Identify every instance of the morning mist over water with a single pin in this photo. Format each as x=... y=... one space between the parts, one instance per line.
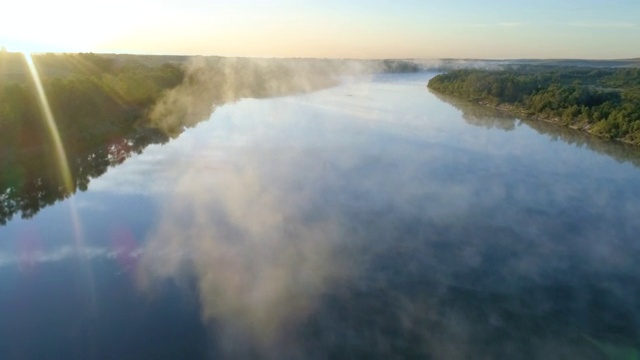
x=370 y=219
x=292 y=180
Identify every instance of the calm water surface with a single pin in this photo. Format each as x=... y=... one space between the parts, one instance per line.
x=370 y=220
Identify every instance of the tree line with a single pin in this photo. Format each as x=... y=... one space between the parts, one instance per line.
x=92 y=99
x=602 y=101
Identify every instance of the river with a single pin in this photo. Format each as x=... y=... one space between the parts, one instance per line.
x=369 y=220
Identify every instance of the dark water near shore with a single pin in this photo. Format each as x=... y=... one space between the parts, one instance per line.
x=370 y=220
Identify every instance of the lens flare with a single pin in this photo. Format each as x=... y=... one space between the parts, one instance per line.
x=65 y=173
x=61 y=156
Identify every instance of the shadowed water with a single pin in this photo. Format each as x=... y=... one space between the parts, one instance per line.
x=370 y=220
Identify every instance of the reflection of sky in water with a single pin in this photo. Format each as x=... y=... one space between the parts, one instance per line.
x=362 y=221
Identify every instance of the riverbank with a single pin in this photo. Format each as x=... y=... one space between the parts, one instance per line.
x=602 y=102
x=576 y=123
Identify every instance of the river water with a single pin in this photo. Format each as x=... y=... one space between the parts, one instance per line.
x=370 y=220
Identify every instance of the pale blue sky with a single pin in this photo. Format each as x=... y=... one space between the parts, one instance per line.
x=331 y=28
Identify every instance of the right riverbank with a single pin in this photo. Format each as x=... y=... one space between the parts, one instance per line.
x=604 y=102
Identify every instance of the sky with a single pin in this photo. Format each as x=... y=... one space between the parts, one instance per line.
x=491 y=29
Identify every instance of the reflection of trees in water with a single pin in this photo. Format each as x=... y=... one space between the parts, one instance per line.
x=31 y=180
x=477 y=115
x=480 y=115
x=620 y=152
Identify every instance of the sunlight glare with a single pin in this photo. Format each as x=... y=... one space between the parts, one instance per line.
x=36 y=26
x=65 y=172
x=50 y=122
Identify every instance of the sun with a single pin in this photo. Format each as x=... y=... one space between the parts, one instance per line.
x=65 y=25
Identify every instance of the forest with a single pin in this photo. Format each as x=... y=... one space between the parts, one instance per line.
x=602 y=101
x=93 y=99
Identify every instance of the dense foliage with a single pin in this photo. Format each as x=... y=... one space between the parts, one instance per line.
x=603 y=101
x=92 y=100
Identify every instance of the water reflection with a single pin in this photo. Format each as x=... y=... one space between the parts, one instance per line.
x=30 y=179
x=393 y=245
x=477 y=115
x=330 y=225
x=261 y=256
x=489 y=117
